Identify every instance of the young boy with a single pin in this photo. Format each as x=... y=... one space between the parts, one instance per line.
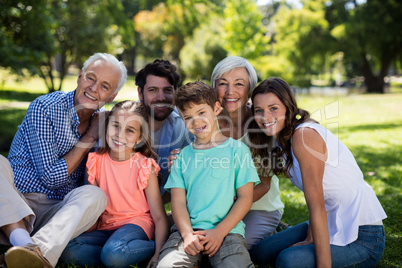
x=211 y=184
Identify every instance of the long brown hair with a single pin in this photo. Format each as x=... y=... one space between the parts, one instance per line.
x=132 y=107
x=265 y=146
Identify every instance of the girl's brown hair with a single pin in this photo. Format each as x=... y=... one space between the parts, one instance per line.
x=264 y=146
x=132 y=107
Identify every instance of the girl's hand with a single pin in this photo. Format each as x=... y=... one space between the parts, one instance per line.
x=172 y=157
x=211 y=240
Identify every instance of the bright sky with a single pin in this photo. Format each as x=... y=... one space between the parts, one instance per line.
x=264 y=2
x=297 y=3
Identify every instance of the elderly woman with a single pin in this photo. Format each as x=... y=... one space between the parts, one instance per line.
x=234 y=79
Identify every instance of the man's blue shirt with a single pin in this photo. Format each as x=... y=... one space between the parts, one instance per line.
x=48 y=132
x=173 y=135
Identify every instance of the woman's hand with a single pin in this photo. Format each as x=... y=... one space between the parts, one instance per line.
x=302 y=243
x=308 y=241
x=173 y=157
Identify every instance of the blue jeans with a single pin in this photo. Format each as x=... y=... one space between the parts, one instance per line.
x=366 y=251
x=123 y=247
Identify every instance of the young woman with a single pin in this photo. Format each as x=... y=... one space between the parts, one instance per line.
x=125 y=169
x=345 y=217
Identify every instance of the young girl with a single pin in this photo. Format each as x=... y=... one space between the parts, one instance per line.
x=345 y=217
x=125 y=169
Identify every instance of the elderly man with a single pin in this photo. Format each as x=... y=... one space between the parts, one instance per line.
x=42 y=184
x=157 y=82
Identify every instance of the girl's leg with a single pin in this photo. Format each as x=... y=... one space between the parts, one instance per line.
x=127 y=246
x=268 y=249
x=366 y=251
x=85 y=249
x=260 y=224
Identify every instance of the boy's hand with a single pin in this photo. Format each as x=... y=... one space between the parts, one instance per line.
x=192 y=244
x=211 y=240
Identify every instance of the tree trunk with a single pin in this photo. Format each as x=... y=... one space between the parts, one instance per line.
x=131 y=59
x=374 y=83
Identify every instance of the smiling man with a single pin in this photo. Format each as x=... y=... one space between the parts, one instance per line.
x=157 y=82
x=43 y=193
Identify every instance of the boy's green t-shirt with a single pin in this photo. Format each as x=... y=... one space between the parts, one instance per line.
x=210 y=178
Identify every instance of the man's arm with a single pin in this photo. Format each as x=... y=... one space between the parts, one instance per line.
x=52 y=168
x=74 y=157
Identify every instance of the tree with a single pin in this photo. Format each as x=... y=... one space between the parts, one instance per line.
x=244 y=31
x=131 y=41
x=80 y=28
x=302 y=36
x=24 y=37
x=200 y=55
x=164 y=29
x=369 y=33
x=34 y=34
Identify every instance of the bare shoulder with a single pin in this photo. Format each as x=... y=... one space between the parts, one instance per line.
x=306 y=134
x=307 y=139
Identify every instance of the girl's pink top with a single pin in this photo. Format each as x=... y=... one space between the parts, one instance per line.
x=124 y=184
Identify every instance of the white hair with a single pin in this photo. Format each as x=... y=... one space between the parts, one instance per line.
x=112 y=60
x=229 y=64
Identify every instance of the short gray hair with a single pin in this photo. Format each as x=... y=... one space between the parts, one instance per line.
x=230 y=63
x=110 y=59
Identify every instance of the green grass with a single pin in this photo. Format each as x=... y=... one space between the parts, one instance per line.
x=369 y=125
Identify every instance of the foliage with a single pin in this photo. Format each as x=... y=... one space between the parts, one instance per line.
x=301 y=36
x=131 y=41
x=203 y=50
x=75 y=22
x=164 y=28
x=370 y=35
x=49 y=36
x=273 y=66
x=24 y=34
x=244 y=32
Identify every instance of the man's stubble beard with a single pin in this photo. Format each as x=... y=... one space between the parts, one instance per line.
x=156 y=117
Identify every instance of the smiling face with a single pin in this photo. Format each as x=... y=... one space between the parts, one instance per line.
x=269 y=113
x=200 y=120
x=232 y=89
x=96 y=86
x=157 y=97
x=122 y=134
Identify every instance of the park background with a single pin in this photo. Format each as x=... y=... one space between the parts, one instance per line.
x=342 y=57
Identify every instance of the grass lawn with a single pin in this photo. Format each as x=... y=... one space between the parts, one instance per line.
x=369 y=125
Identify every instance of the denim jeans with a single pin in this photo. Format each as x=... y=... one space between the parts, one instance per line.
x=123 y=247
x=366 y=251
